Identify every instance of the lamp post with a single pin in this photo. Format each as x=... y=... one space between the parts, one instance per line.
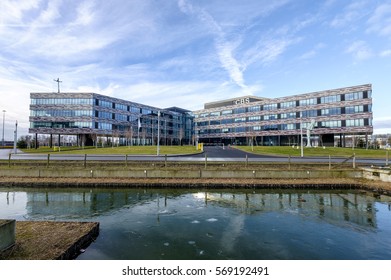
x=3 y=127
x=301 y=137
x=16 y=136
x=158 y=133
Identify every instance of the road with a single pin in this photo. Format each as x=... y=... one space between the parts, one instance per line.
x=213 y=153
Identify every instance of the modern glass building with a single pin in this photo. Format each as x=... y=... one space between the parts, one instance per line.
x=90 y=115
x=336 y=117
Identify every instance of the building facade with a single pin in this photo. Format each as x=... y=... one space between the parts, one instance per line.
x=327 y=118
x=90 y=115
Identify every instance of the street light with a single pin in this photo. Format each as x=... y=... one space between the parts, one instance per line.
x=3 y=126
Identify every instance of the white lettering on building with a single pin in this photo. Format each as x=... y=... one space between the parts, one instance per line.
x=242 y=101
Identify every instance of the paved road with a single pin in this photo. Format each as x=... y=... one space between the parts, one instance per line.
x=213 y=153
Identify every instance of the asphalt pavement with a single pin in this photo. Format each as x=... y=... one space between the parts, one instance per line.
x=212 y=153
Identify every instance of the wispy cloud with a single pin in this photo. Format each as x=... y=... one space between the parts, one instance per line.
x=360 y=50
x=224 y=48
x=380 y=21
x=352 y=13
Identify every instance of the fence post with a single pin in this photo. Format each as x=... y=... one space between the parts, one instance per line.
x=289 y=161
x=206 y=160
x=47 y=165
x=85 y=160
x=354 y=160
x=329 y=162
x=126 y=160
x=246 y=160
x=387 y=157
x=9 y=160
x=165 y=160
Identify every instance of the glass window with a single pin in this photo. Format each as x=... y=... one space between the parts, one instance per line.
x=354 y=109
x=268 y=107
x=240 y=119
x=226 y=112
x=331 y=111
x=331 y=124
x=354 y=95
x=356 y=122
x=330 y=99
x=306 y=102
x=309 y=113
x=288 y=104
x=254 y=108
x=239 y=110
x=270 y=117
x=254 y=118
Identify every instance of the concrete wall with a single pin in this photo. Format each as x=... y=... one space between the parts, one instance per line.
x=7 y=234
x=179 y=173
x=377 y=174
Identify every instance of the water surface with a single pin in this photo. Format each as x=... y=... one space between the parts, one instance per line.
x=216 y=224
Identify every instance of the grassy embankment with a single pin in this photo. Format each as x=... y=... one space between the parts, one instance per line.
x=121 y=150
x=315 y=152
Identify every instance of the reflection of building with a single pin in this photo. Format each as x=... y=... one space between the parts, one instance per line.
x=90 y=115
x=332 y=207
x=338 y=114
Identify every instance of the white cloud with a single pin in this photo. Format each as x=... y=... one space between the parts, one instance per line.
x=385 y=53
x=360 y=50
x=380 y=21
x=354 y=12
x=224 y=48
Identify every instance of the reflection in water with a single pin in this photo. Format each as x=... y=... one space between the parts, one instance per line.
x=218 y=224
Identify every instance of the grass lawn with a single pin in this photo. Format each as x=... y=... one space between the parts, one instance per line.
x=332 y=151
x=122 y=150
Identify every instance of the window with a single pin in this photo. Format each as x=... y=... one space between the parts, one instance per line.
x=270 y=117
x=254 y=118
x=240 y=119
x=239 y=110
x=268 y=107
x=226 y=112
x=306 y=102
x=291 y=115
x=330 y=99
x=104 y=103
x=121 y=107
x=357 y=122
x=331 y=124
x=288 y=104
x=354 y=95
x=309 y=113
x=354 y=109
x=331 y=111
x=215 y=114
x=254 y=108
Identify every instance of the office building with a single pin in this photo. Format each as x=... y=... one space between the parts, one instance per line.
x=90 y=116
x=337 y=117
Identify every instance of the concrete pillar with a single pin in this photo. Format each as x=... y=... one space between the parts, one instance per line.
x=51 y=141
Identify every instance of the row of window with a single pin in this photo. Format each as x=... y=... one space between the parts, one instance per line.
x=291 y=115
x=61 y=125
x=61 y=101
x=123 y=107
x=61 y=113
x=291 y=126
x=290 y=104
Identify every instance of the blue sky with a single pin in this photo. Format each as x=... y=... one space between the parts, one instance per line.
x=186 y=52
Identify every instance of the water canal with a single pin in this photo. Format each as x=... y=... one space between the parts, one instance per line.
x=216 y=224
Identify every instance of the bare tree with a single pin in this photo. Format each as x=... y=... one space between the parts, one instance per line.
x=181 y=134
x=129 y=135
